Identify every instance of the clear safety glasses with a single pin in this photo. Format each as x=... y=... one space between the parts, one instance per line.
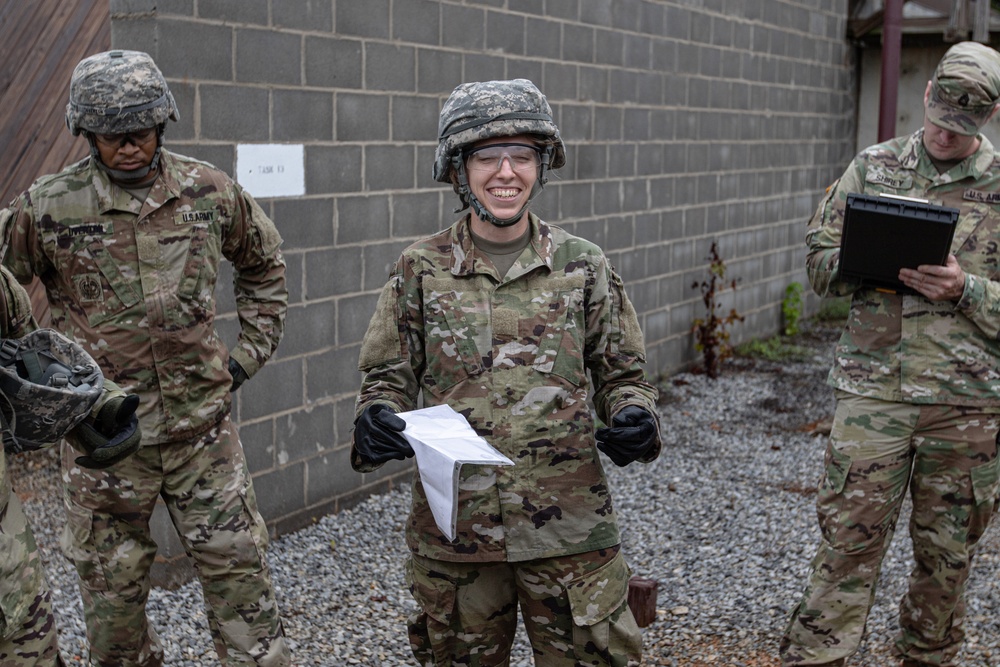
x=520 y=157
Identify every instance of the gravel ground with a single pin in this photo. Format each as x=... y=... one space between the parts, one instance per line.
x=723 y=520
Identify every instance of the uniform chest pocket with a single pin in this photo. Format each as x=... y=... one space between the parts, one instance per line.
x=451 y=327
x=197 y=280
x=559 y=335
x=98 y=283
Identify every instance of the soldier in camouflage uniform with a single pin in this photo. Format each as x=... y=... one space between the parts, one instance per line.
x=918 y=385
x=128 y=244
x=28 y=636
x=502 y=316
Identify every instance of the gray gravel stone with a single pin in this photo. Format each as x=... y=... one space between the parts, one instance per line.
x=723 y=520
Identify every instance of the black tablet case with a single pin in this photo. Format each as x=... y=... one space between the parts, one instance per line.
x=881 y=235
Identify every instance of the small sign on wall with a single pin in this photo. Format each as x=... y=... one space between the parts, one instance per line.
x=271 y=170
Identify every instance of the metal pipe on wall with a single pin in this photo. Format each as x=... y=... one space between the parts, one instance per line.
x=892 y=31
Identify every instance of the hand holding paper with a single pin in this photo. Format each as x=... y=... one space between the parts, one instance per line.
x=444 y=441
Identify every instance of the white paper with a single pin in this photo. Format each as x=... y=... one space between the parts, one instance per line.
x=271 y=170
x=443 y=442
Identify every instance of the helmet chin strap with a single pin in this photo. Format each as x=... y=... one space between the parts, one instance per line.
x=127 y=175
x=470 y=200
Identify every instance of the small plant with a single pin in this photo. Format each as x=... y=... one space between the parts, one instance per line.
x=775 y=349
x=834 y=309
x=712 y=331
x=791 y=308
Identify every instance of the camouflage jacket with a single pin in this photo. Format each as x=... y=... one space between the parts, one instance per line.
x=134 y=282
x=905 y=347
x=512 y=356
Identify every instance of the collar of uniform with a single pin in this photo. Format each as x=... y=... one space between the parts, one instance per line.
x=914 y=156
x=462 y=261
x=113 y=198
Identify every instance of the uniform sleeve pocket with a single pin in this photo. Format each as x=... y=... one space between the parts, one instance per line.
x=986 y=481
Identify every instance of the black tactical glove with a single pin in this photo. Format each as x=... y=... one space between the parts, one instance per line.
x=378 y=435
x=631 y=435
x=239 y=375
x=111 y=436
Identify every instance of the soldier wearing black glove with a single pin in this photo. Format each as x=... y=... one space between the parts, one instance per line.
x=239 y=375
x=378 y=435
x=109 y=437
x=631 y=435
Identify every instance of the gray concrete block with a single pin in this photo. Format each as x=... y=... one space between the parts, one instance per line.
x=379 y=260
x=419 y=214
x=221 y=157
x=607 y=198
x=610 y=48
x=333 y=62
x=576 y=200
x=257 y=438
x=652 y=17
x=559 y=81
x=649 y=159
x=578 y=43
x=283 y=373
x=293 y=274
x=198 y=51
x=333 y=169
x=390 y=67
x=334 y=372
x=302 y=115
x=484 y=67
x=563 y=9
x=235 y=11
x=305 y=223
x=624 y=86
x=505 y=33
x=621 y=160
x=331 y=272
x=361 y=219
x=417 y=21
x=597 y=12
x=607 y=123
x=389 y=167
x=355 y=313
x=638 y=52
x=330 y=475
x=649 y=88
x=234 y=113
x=362 y=117
x=365 y=19
x=184 y=93
x=438 y=71
x=304 y=434
x=627 y=14
x=524 y=68
x=463 y=27
x=267 y=56
x=594 y=84
x=309 y=15
x=343 y=408
x=590 y=161
x=414 y=118
x=281 y=491
x=543 y=38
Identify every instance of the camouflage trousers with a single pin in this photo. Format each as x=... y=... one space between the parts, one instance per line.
x=575 y=611
x=28 y=636
x=947 y=457
x=208 y=493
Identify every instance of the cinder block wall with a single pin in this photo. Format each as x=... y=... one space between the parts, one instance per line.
x=687 y=122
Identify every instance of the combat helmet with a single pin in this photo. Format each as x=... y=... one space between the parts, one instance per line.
x=486 y=110
x=118 y=92
x=48 y=385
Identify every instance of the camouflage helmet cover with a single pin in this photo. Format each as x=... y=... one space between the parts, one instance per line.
x=49 y=384
x=965 y=88
x=489 y=109
x=117 y=92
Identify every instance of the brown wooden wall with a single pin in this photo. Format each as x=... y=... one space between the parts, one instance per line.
x=40 y=43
